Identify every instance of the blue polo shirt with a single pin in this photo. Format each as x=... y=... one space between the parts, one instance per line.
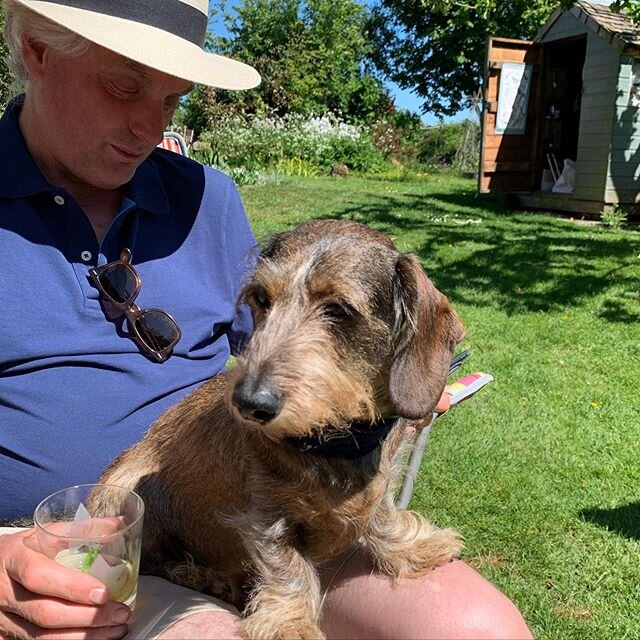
x=74 y=387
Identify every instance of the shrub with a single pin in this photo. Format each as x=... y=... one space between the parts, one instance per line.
x=240 y=175
x=359 y=154
x=455 y=144
x=263 y=142
x=397 y=135
x=613 y=218
x=297 y=167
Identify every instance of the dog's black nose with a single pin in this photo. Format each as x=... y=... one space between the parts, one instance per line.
x=256 y=401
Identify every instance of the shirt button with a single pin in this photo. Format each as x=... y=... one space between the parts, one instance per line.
x=59 y=200
x=86 y=256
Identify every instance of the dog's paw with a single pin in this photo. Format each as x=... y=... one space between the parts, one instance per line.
x=435 y=549
x=261 y=626
x=410 y=546
x=203 y=579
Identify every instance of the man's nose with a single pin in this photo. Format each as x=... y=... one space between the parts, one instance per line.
x=148 y=122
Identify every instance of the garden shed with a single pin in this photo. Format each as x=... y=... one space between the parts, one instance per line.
x=561 y=113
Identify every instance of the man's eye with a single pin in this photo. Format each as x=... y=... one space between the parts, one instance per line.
x=121 y=90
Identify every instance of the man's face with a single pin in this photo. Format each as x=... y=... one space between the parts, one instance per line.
x=100 y=115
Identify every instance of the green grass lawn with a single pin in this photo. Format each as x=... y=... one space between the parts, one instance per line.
x=540 y=470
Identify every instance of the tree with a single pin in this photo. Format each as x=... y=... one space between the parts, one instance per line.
x=311 y=55
x=437 y=47
x=630 y=7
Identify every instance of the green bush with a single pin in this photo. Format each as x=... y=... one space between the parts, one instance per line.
x=297 y=167
x=359 y=154
x=454 y=144
x=260 y=143
x=613 y=218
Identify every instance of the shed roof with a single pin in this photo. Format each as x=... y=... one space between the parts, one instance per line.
x=615 y=28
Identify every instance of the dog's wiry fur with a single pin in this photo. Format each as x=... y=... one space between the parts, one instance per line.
x=346 y=328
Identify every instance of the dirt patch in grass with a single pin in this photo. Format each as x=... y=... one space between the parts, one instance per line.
x=485 y=560
x=577 y=614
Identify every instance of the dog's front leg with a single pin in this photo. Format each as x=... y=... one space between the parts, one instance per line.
x=285 y=601
x=405 y=544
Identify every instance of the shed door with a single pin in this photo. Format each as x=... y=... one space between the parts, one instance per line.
x=509 y=156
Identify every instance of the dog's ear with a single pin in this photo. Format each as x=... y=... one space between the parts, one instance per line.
x=427 y=331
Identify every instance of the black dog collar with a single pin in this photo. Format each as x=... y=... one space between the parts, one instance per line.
x=359 y=439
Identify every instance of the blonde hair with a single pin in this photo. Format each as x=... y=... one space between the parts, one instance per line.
x=21 y=22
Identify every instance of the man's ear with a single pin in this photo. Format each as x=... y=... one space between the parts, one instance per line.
x=34 y=56
x=427 y=332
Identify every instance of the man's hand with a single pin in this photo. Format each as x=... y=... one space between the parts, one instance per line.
x=41 y=599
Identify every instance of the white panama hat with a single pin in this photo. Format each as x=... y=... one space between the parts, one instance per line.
x=167 y=35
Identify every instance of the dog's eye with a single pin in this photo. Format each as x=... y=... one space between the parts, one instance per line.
x=260 y=300
x=338 y=311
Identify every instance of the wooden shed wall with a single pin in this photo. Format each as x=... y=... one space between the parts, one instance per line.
x=597 y=112
x=623 y=179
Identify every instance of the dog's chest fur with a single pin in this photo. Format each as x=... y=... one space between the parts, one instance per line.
x=322 y=505
x=328 y=506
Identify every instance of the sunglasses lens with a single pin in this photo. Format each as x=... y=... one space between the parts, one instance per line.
x=119 y=283
x=157 y=330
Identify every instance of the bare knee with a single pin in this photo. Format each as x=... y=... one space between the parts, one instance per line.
x=207 y=624
x=470 y=607
x=452 y=601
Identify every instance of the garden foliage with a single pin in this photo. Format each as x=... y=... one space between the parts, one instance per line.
x=455 y=144
x=437 y=47
x=259 y=143
x=6 y=78
x=312 y=57
x=308 y=146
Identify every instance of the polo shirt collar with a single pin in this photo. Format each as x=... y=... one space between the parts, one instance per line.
x=20 y=176
x=146 y=188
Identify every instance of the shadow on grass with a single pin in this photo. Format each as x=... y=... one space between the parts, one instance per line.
x=514 y=261
x=623 y=520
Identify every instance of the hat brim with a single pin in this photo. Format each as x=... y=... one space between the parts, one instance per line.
x=151 y=46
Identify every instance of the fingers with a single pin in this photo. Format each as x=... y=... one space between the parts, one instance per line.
x=54 y=613
x=12 y=626
x=444 y=403
x=40 y=575
x=41 y=599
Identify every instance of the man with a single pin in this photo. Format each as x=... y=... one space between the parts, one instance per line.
x=81 y=182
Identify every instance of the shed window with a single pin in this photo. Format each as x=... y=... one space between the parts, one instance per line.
x=513 y=97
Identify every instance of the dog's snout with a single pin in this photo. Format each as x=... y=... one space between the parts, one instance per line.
x=256 y=400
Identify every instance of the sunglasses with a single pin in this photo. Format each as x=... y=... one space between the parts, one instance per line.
x=154 y=330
